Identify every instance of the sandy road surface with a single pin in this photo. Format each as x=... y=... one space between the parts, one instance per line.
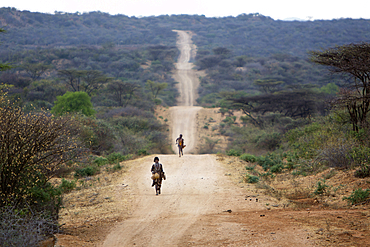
x=192 y=184
x=193 y=188
x=188 y=82
x=192 y=209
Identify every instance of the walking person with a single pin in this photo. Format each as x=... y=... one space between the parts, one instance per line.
x=180 y=144
x=157 y=175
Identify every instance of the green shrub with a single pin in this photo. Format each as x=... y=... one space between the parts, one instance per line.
x=233 y=152
x=290 y=165
x=46 y=195
x=142 y=152
x=269 y=161
x=116 y=157
x=360 y=154
x=73 y=102
x=117 y=167
x=85 y=172
x=266 y=175
x=358 y=196
x=277 y=168
x=67 y=186
x=251 y=179
x=100 y=161
x=321 y=188
x=229 y=120
x=248 y=158
x=250 y=168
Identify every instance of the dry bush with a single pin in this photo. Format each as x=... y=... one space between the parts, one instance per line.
x=23 y=228
x=338 y=156
x=32 y=147
x=298 y=193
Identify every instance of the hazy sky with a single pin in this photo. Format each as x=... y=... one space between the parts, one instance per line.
x=277 y=9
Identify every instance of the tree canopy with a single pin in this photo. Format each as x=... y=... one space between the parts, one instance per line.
x=353 y=61
x=73 y=102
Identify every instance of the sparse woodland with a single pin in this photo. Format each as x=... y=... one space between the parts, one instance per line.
x=78 y=92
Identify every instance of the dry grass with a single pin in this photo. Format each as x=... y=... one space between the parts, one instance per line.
x=299 y=191
x=91 y=210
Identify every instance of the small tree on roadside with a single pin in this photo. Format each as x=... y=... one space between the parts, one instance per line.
x=32 y=147
x=73 y=102
x=351 y=60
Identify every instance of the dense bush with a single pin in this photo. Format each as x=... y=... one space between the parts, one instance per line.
x=86 y=171
x=248 y=157
x=73 y=102
x=321 y=188
x=271 y=161
x=100 y=161
x=67 y=186
x=114 y=158
x=357 y=196
x=233 y=152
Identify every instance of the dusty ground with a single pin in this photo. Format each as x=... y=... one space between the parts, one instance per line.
x=193 y=209
x=205 y=201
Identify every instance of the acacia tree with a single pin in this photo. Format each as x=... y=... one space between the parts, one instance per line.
x=294 y=104
x=155 y=87
x=351 y=60
x=35 y=71
x=83 y=80
x=123 y=91
x=268 y=85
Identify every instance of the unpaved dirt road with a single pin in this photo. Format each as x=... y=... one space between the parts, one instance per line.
x=193 y=207
x=183 y=116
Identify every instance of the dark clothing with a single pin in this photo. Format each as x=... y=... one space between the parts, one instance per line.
x=157 y=168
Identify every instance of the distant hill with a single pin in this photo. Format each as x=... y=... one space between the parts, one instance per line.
x=246 y=34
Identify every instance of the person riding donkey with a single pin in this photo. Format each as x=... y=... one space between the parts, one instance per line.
x=157 y=175
x=180 y=144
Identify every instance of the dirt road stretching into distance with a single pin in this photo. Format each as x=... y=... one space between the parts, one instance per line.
x=197 y=198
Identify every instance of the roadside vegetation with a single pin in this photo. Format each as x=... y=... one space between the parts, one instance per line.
x=332 y=137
